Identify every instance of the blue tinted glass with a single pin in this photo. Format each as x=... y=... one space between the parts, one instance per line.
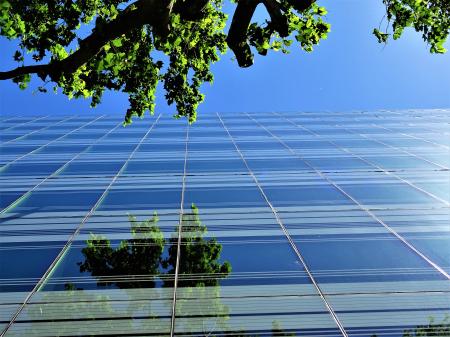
x=373 y=231
x=278 y=164
x=210 y=197
x=66 y=149
x=353 y=258
x=93 y=168
x=398 y=162
x=65 y=200
x=229 y=165
x=212 y=146
x=439 y=189
x=336 y=163
x=36 y=258
x=7 y=198
x=388 y=193
x=31 y=168
x=305 y=195
x=16 y=150
x=144 y=199
x=435 y=245
x=151 y=167
x=260 y=146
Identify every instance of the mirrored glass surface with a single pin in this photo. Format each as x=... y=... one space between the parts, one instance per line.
x=251 y=224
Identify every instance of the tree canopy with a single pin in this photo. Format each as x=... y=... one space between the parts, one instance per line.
x=87 y=47
x=141 y=258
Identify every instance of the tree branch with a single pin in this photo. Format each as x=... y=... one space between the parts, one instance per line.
x=278 y=20
x=301 y=5
x=191 y=10
x=157 y=14
x=237 y=35
x=152 y=12
x=20 y=71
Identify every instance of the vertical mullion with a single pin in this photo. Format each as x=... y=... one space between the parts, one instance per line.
x=66 y=247
x=408 y=135
x=288 y=236
x=9 y=118
x=415 y=137
x=389 y=173
x=414 y=124
x=394 y=147
x=55 y=173
x=38 y=130
x=22 y=124
x=180 y=228
x=51 y=142
x=362 y=207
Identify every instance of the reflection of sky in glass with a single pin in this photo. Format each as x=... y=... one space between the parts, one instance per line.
x=308 y=224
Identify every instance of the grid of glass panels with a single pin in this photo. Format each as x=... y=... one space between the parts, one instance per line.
x=242 y=224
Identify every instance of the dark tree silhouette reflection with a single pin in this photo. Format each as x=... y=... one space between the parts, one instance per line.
x=139 y=260
x=134 y=258
x=141 y=270
x=199 y=257
x=432 y=329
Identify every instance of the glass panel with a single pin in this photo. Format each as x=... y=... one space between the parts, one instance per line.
x=114 y=284
x=38 y=257
x=393 y=309
x=427 y=230
x=214 y=197
x=306 y=195
x=99 y=168
x=400 y=162
x=32 y=168
x=439 y=189
x=239 y=274
x=389 y=193
x=153 y=167
x=336 y=163
x=138 y=198
x=63 y=200
x=373 y=281
x=362 y=258
x=239 y=285
x=278 y=164
x=215 y=165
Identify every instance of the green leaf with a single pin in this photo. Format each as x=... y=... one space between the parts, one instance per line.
x=117 y=43
x=382 y=37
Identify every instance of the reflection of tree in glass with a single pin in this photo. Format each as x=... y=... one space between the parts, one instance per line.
x=133 y=266
x=135 y=257
x=432 y=329
x=53 y=315
x=279 y=332
x=199 y=258
x=141 y=257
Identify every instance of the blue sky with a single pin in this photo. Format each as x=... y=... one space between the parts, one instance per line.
x=348 y=71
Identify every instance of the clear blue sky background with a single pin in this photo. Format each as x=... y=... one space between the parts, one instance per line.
x=348 y=71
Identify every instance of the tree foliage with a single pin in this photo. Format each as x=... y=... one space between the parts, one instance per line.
x=199 y=257
x=142 y=260
x=87 y=47
x=431 y=18
x=432 y=329
x=135 y=257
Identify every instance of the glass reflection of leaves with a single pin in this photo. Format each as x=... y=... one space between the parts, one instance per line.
x=141 y=260
x=137 y=258
x=134 y=266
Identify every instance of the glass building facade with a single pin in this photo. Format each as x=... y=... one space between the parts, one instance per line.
x=260 y=224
